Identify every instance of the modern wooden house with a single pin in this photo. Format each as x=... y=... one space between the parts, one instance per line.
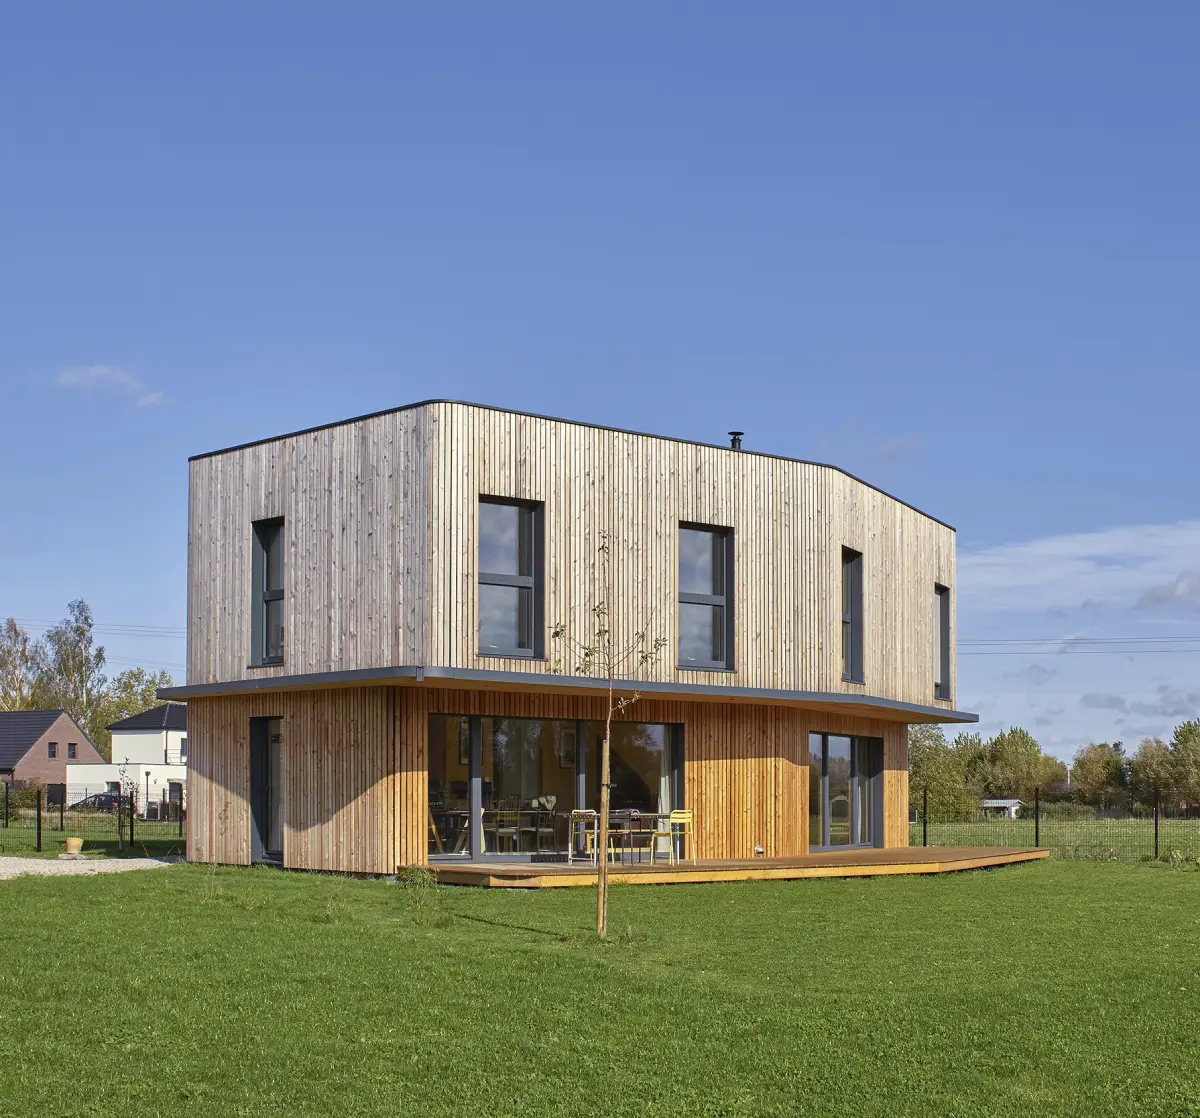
x=370 y=666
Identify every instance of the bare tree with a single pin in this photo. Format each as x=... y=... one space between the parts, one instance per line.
x=603 y=656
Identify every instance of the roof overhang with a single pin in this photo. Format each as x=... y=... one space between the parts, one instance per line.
x=862 y=705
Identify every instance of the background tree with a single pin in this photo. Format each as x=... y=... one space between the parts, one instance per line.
x=942 y=769
x=604 y=656
x=1016 y=765
x=1185 y=760
x=1149 y=769
x=70 y=671
x=129 y=692
x=1099 y=773
x=18 y=667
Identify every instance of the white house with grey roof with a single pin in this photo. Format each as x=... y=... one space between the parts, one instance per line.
x=149 y=756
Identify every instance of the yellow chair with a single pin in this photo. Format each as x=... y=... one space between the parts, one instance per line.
x=683 y=821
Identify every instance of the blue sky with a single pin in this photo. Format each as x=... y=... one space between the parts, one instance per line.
x=951 y=249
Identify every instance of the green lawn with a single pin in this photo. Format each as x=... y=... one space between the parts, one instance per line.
x=99 y=834
x=1055 y=988
x=1101 y=839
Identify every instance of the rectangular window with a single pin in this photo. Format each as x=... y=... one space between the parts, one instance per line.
x=852 y=616
x=183 y=751
x=70 y=751
x=510 y=578
x=941 y=642
x=267 y=593
x=705 y=597
x=51 y=749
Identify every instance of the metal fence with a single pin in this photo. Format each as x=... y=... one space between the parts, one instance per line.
x=41 y=820
x=1123 y=829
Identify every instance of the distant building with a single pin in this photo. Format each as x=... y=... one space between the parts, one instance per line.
x=1005 y=809
x=149 y=755
x=36 y=746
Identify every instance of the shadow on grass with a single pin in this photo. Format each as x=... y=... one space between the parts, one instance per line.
x=561 y=936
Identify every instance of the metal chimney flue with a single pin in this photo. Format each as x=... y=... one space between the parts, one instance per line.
x=735 y=439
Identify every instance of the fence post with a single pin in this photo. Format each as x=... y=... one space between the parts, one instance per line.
x=6 y=805
x=132 y=813
x=925 y=816
x=1156 y=823
x=179 y=812
x=62 y=807
x=1037 y=817
x=39 y=821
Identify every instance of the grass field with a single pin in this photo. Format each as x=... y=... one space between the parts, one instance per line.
x=99 y=833
x=1102 y=839
x=1050 y=989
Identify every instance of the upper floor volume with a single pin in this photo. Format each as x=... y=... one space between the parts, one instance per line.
x=446 y=541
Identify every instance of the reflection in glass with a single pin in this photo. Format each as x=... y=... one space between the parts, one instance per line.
x=449 y=762
x=816 y=791
x=505 y=618
x=701 y=562
x=639 y=763
x=701 y=633
x=499 y=539
x=837 y=768
x=273 y=648
x=274 y=786
x=528 y=784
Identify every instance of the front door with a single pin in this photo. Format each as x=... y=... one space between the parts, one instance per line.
x=266 y=790
x=845 y=791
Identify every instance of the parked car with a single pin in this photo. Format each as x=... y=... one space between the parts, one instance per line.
x=98 y=801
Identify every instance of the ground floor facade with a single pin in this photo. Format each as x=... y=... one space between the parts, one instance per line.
x=371 y=779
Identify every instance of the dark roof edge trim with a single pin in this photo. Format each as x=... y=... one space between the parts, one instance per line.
x=574 y=423
x=469 y=675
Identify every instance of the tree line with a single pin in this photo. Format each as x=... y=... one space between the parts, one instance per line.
x=64 y=669
x=1010 y=765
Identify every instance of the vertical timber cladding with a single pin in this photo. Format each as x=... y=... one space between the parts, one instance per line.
x=790 y=521
x=341 y=787
x=745 y=766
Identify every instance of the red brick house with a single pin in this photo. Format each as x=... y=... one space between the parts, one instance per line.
x=37 y=745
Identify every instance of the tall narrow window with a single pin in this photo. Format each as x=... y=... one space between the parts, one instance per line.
x=510 y=566
x=941 y=642
x=51 y=749
x=267 y=592
x=852 y=616
x=71 y=751
x=705 y=606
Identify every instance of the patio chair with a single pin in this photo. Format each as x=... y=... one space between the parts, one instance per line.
x=505 y=823
x=582 y=825
x=683 y=820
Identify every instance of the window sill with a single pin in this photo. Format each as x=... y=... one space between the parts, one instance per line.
x=515 y=655
x=267 y=664
x=706 y=668
x=856 y=682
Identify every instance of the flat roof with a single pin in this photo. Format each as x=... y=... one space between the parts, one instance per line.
x=574 y=423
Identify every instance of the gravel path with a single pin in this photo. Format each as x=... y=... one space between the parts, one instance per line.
x=88 y=867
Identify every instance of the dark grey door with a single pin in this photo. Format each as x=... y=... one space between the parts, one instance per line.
x=266 y=788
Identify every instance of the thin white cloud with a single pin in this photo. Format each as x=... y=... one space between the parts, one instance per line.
x=899 y=446
x=1117 y=568
x=109 y=378
x=1182 y=589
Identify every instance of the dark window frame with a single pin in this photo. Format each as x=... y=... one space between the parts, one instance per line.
x=941 y=686
x=531 y=536
x=52 y=751
x=725 y=600
x=852 y=616
x=71 y=751
x=259 y=595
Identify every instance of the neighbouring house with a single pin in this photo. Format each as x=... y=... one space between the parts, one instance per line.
x=373 y=678
x=149 y=758
x=38 y=746
x=1005 y=809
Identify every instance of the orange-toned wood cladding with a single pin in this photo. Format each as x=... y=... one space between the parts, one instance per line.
x=355 y=776
x=341 y=791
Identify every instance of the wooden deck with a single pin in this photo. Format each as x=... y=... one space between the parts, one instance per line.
x=851 y=863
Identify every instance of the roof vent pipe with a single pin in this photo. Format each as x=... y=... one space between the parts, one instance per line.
x=735 y=439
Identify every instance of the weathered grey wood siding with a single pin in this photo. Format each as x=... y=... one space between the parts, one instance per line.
x=381 y=549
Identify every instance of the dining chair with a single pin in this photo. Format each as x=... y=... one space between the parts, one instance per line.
x=582 y=825
x=677 y=819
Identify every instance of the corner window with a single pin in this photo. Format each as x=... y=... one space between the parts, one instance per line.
x=70 y=751
x=51 y=749
x=852 y=616
x=182 y=750
x=510 y=578
x=705 y=599
x=267 y=593
x=941 y=642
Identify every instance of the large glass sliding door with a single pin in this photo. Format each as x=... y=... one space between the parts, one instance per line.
x=506 y=787
x=845 y=791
